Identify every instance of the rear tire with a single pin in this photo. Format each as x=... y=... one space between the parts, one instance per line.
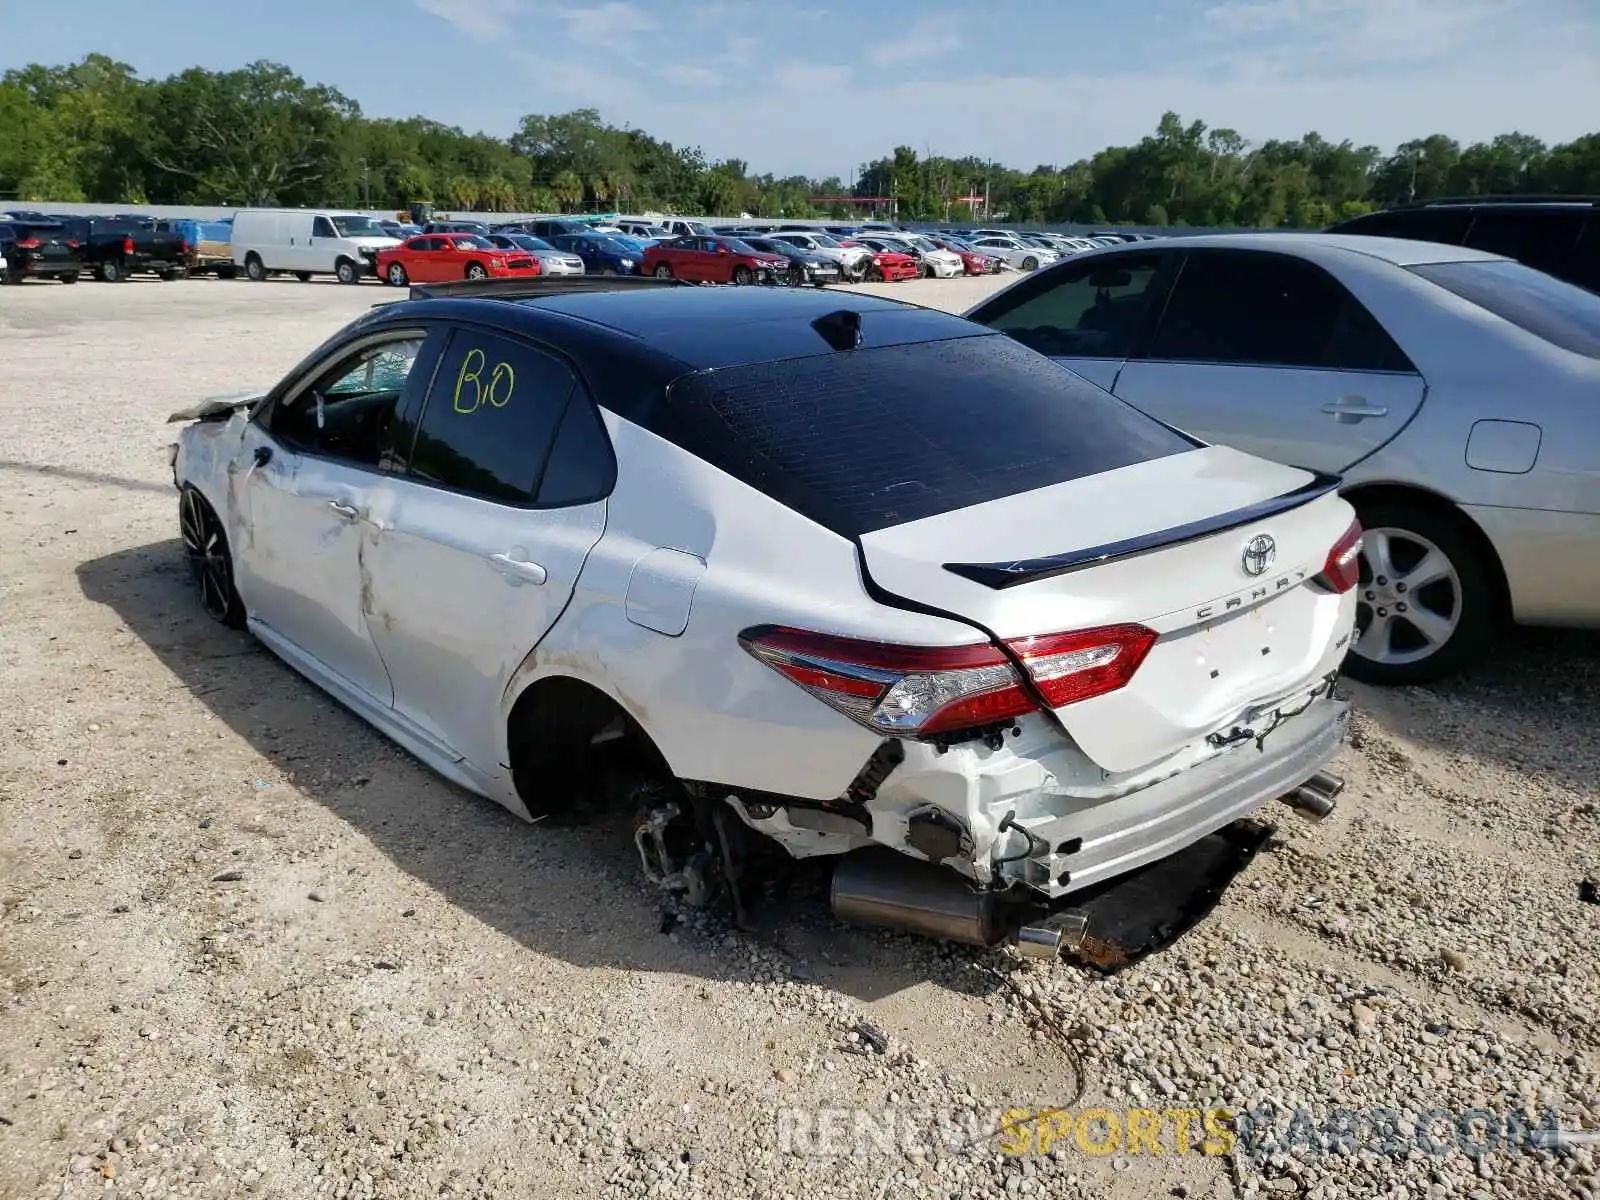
x=663 y=271
x=476 y=271
x=255 y=270
x=1437 y=598
x=1030 y=263
x=874 y=274
x=396 y=275
x=110 y=271
x=303 y=276
x=741 y=275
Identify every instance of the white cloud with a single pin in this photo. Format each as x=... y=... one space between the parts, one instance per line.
x=606 y=25
x=482 y=20
x=932 y=38
x=1373 y=71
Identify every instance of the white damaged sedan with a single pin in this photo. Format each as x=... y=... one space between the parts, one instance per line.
x=809 y=580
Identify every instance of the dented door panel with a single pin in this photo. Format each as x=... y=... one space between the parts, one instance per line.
x=301 y=562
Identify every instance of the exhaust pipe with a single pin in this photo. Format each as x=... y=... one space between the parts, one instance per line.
x=891 y=891
x=1315 y=799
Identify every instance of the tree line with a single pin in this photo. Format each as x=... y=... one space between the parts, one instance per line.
x=262 y=135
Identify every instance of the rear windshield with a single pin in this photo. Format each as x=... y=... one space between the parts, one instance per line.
x=864 y=439
x=1561 y=313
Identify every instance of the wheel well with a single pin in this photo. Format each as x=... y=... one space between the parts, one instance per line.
x=571 y=745
x=1401 y=495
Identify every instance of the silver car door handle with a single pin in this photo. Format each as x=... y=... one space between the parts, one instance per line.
x=348 y=511
x=1354 y=408
x=517 y=568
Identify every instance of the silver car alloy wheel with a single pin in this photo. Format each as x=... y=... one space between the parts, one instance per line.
x=1408 y=603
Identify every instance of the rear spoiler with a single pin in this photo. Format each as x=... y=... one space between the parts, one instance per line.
x=1011 y=574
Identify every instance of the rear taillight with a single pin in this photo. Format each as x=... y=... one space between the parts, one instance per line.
x=28 y=243
x=73 y=243
x=1342 y=571
x=184 y=247
x=926 y=691
x=127 y=245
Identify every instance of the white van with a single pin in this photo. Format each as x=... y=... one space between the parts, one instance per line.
x=272 y=241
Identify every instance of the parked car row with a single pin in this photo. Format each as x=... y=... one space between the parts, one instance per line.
x=36 y=245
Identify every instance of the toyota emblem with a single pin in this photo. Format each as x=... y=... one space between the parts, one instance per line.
x=1260 y=552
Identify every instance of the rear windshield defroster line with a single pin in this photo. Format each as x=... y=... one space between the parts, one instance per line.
x=866 y=439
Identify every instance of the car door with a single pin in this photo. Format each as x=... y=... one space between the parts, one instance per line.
x=1088 y=315
x=431 y=258
x=480 y=531
x=304 y=482
x=1271 y=354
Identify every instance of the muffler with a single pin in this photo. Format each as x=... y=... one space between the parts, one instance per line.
x=1315 y=799
x=891 y=891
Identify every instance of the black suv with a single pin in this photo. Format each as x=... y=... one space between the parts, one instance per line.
x=38 y=247
x=1559 y=235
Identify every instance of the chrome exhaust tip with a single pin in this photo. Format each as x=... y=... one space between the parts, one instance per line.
x=1039 y=942
x=1310 y=803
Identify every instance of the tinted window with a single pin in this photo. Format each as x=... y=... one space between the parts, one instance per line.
x=349 y=411
x=322 y=227
x=1561 y=313
x=1267 y=310
x=1088 y=310
x=582 y=467
x=1542 y=238
x=1448 y=225
x=878 y=437
x=490 y=417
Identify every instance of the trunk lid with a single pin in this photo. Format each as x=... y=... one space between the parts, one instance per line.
x=1161 y=543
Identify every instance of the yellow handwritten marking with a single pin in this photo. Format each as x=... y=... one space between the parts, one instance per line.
x=502 y=373
x=470 y=371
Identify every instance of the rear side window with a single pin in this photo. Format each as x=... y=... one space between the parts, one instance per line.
x=1542 y=238
x=490 y=417
x=1250 y=308
x=1448 y=225
x=865 y=439
x=1561 y=313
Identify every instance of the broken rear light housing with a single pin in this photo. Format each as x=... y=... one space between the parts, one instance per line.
x=930 y=691
x=1342 y=570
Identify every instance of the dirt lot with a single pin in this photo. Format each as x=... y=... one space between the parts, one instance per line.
x=247 y=947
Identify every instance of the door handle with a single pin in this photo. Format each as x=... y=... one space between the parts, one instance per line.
x=518 y=569
x=1350 y=409
x=348 y=511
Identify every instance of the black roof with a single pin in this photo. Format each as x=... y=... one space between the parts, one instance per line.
x=631 y=342
x=1532 y=199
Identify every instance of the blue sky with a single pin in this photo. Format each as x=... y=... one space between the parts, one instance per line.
x=818 y=87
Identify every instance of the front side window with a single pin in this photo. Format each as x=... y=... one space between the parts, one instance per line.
x=349 y=411
x=1257 y=309
x=490 y=417
x=1090 y=310
x=1561 y=313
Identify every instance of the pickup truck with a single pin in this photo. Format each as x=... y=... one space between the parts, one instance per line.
x=208 y=243
x=113 y=248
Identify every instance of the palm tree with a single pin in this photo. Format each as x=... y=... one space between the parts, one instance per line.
x=568 y=189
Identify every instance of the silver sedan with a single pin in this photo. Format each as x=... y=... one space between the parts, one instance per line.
x=1456 y=392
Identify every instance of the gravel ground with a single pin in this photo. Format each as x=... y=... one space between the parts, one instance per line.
x=251 y=949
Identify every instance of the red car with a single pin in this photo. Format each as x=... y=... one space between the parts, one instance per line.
x=713 y=260
x=971 y=261
x=442 y=257
x=890 y=265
